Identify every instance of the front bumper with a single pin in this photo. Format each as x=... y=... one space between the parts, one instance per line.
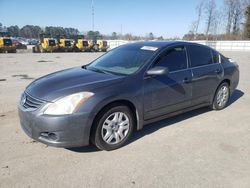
x=60 y=131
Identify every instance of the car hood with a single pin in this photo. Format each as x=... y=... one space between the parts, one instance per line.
x=69 y=81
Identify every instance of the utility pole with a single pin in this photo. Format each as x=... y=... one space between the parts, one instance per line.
x=121 y=29
x=93 y=15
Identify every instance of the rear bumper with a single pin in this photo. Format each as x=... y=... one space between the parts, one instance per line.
x=58 y=131
x=234 y=80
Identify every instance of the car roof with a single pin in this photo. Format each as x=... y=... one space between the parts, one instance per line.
x=161 y=44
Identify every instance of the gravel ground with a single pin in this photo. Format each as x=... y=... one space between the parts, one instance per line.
x=202 y=148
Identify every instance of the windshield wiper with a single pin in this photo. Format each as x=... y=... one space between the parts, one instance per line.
x=101 y=71
x=98 y=70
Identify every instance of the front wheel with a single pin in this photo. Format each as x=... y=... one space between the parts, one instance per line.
x=221 y=97
x=113 y=128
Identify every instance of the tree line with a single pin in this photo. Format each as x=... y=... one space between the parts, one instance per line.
x=32 y=31
x=229 y=22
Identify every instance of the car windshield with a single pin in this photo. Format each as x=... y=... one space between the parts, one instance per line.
x=123 y=60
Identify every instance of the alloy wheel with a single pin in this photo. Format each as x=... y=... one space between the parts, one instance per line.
x=115 y=128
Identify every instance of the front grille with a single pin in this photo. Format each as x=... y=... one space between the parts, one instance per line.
x=31 y=102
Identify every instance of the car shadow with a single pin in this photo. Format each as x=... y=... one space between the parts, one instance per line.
x=235 y=96
x=151 y=128
x=84 y=149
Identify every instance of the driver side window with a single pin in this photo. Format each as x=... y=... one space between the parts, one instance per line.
x=174 y=59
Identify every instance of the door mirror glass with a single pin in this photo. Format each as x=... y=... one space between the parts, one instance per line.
x=158 y=70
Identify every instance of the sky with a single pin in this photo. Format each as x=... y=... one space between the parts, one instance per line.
x=167 y=18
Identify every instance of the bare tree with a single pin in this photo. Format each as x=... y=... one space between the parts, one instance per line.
x=210 y=10
x=246 y=3
x=238 y=15
x=199 y=10
x=235 y=12
x=229 y=6
x=216 y=24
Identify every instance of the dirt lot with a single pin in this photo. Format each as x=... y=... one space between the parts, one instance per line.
x=202 y=148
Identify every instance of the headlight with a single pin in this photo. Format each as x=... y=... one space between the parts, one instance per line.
x=69 y=104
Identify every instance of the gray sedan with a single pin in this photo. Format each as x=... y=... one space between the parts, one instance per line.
x=123 y=90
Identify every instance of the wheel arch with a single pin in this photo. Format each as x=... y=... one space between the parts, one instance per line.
x=225 y=80
x=125 y=102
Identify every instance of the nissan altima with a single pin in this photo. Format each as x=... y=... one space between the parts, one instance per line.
x=123 y=90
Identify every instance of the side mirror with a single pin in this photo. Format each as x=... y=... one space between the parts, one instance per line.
x=155 y=71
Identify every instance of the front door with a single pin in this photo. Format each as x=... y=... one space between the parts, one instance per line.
x=168 y=93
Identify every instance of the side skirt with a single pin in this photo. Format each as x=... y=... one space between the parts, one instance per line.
x=175 y=113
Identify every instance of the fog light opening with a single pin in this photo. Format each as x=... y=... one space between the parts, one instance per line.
x=52 y=136
x=49 y=136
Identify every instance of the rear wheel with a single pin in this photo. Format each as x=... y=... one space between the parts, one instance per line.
x=34 y=49
x=221 y=97
x=113 y=128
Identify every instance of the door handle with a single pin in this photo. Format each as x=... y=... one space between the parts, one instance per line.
x=187 y=80
x=218 y=71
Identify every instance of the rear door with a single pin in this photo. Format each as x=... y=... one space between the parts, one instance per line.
x=207 y=72
x=168 y=93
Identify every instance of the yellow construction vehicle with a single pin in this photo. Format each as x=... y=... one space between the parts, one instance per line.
x=97 y=44
x=6 y=44
x=102 y=45
x=46 y=44
x=81 y=45
x=65 y=44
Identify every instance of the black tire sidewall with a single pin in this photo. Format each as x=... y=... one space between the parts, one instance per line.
x=98 y=141
x=215 y=105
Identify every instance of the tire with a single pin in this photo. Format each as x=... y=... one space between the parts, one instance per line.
x=12 y=51
x=109 y=134
x=221 y=97
x=34 y=49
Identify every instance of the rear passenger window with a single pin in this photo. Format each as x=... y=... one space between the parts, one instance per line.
x=216 y=57
x=200 y=56
x=174 y=59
